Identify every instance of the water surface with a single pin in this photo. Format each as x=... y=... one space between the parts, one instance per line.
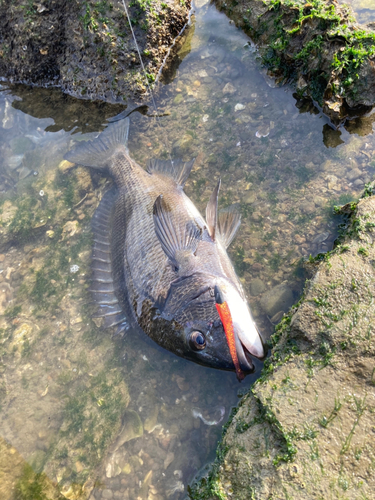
x=120 y=417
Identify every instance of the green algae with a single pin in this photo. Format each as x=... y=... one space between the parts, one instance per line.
x=260 y=413
x=317 y=45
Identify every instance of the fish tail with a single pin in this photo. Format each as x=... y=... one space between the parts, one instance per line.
x=97 y=152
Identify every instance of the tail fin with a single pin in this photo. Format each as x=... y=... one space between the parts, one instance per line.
x=97 y=152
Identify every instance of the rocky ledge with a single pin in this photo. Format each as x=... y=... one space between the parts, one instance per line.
x=86 y=46
x=306 y=428
x=318 y=45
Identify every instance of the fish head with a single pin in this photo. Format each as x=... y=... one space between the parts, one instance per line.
x=203 y=336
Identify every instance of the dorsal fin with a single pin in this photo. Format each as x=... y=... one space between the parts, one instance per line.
x=229 y=220
x=174 y=236
x=177 y=169
x=211 y=210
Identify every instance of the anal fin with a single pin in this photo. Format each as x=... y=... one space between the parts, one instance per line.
x=102 y=286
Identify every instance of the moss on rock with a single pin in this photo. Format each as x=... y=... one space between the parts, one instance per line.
x=306 y=428
x=318 y=45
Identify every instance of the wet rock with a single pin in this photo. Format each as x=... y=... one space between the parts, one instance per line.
x=182 y=383
x=358 y=183
x=229 y=89
x=319 y=201
x=332 y=183
x=257 y=287
x=65 y=165
x=353 y=174
x=239 y=107
x=107 y=494
x=307 y=207
x=179 y=98
x=132 y=428
x=152 y=419
x=182 y=146
x=279 y=298
x=276 y=318
x=320 y=238
x=169 y=459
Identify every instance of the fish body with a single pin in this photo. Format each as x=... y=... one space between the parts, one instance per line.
x=157 y=261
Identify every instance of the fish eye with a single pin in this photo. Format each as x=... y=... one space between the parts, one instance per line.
x=197 y=341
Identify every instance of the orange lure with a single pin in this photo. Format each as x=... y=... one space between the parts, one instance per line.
x=226 y=319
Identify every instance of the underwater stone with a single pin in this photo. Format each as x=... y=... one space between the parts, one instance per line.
x=183 y=145
x=279 y=298
x=257 y=286
x=132 y=428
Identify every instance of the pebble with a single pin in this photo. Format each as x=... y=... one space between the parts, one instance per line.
x=249 y=197
x=276 y=318
x=353 y=174
x=320 y=238
x=257 y=287
x=307 y=207
x=279 y=298
x=107 y=494
x=229 y=89
x=239 y=107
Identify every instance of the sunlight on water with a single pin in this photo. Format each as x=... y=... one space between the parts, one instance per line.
x=82 y=412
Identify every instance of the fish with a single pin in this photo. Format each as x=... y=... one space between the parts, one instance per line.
x=159 y=266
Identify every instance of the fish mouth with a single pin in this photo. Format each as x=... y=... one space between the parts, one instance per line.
x=244 y=356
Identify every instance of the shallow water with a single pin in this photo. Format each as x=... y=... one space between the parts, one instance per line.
x=364 y=10
x=121 y=418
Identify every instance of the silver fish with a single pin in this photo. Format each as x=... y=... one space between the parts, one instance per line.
x=157 y=261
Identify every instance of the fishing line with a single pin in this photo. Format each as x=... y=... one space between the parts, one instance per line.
x=146 y=78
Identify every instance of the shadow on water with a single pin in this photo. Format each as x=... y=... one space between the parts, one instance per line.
x=122 y=418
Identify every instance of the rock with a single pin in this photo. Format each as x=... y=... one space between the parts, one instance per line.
x=249 y=197
x=169 y=459
x=107 y=494
x=358 y=183
x=276 y=318
x=320 y=238
x=257 y=286
x=229 y=89
x=182 y=146
x=319 y=201
x=332 y=183
x=65 y=165
x=132 y=428
x=239 y=107
x=279 y=298
x=307 y=207
x=315 y=394
x=353 y=174
x=182 y=383
x=152 y=419
x=179 y=98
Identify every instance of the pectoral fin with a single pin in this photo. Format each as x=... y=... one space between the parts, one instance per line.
x=172 y=234
x=229 y=221
x=211 y=211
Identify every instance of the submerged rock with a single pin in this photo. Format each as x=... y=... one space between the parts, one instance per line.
x=279 y=298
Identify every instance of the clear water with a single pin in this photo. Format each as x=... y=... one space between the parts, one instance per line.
x=364 y=10
x=74 y=400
